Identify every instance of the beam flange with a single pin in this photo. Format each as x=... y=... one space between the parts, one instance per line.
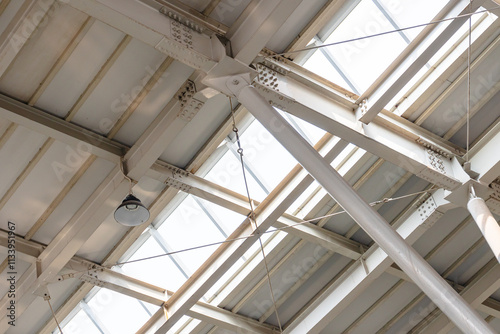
x=391 y=242
x=54 y=127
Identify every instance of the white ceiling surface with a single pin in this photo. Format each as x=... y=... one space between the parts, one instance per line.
x=86 y=72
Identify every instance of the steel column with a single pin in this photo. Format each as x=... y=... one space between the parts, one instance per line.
x=392 y=243
x=487 y=224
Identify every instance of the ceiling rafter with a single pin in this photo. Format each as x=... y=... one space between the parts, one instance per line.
x=485 y=282
x=376 y=105
x=461 y=79
x=98 y=77
x=80 y=34
x=431 y=81
x=18 y=32
x=401 y=282
x=103 y=201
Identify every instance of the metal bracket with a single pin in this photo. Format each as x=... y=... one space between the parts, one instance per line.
x=267 y=77
x=182 y=34
x=171 y=182
x=433 y=147
x=176 y=171
x=284 y=101
x=189 y=104
x=461 y=195
x=496 y=190
x=181 y=20
x=436 y=160
x=43 y=292
x=426 y=210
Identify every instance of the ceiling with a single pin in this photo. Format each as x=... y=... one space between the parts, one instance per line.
x=98 y=97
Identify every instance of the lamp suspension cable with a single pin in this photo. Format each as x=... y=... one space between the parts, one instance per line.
x=251 y=216
x=468 y=84
x=54 y=315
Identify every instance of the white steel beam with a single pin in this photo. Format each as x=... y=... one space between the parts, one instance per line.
x=99 y=206
x=257 y=25
x=379 y=99
x=148 y=25
x=226 y=255
x=30 y=15
x=54 y=127
x=413 y=143
x=486 y=282
x=406 y=257
x=389 y=137
x=96 y=275
x=109 y=279
x=231 y=200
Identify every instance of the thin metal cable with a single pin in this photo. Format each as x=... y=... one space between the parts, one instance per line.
x=251 y=216
x=384 y=33
x=468 y=83
x=385 y=200
x=54 y=316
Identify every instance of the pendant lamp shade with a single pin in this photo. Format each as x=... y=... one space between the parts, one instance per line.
x=131 y=212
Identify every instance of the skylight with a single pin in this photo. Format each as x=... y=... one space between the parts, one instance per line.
x=355 y=65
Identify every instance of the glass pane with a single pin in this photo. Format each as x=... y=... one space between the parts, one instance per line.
x=365 y=59
x=319 y=65
x=160 y=271
x=270 y=160
x=409 y=13
x=312 y=132
x=188 y=226
x=228 y=220
x=119 y=313
x=227 y=173
x=80 y=324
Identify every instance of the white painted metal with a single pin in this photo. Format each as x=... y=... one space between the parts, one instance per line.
x=249 y=36
x=100 y=205
x=487 y=224
x=486 y=282
x=379 y=103
x=227 y=254
x=406 y=257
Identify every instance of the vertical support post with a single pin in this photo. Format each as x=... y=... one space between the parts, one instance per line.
x=486 y=223
x=447 y=299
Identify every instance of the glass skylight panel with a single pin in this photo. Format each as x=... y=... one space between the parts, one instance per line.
x=187 y=227
x=365 y=59
x=312 y=132
x=79 y=324
x=159 y=271
x=118 y=312
x=270 y=160
x=409 y=13
x=319 y=65
x=228 y=173
x=227 y=219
